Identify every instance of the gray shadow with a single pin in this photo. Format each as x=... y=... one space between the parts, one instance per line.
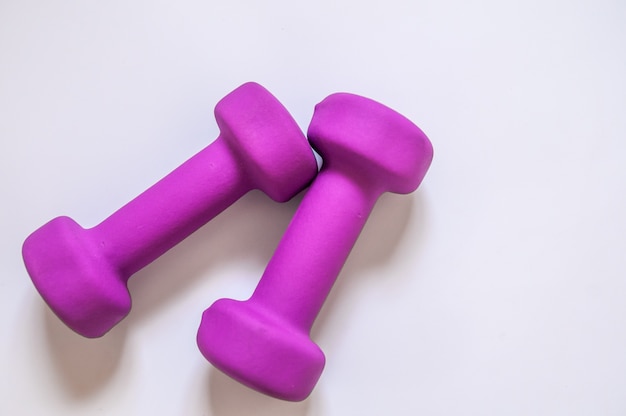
x=375 y=247
x=84 y=365
x=227 y=397
x=248 y=230
x=251 y=228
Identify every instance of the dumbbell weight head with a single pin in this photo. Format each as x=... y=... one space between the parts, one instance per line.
x=371 y=141
x=258 y=348
x=77 y=282
x=261 y=133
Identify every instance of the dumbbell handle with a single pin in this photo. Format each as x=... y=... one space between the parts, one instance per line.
x=315 y=246
x=172 y=209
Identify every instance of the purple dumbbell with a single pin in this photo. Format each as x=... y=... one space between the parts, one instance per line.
x=82 y=273
x=264 y=342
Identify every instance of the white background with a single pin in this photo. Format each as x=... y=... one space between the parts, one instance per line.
x=498 y=288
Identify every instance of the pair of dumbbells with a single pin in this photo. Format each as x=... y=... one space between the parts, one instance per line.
x=263 y=342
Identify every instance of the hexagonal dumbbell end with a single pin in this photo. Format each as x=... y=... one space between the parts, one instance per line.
x=82 y=274
x=264 y=342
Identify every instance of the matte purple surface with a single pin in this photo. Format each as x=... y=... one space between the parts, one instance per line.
x=264 y=342
x=82 y=274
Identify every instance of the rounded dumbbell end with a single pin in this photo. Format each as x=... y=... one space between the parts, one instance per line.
x=267 y=140
x=259 y=350
x=371 y=139
x=78 y=284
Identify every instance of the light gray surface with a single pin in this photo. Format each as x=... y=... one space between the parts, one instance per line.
x=496 y=289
